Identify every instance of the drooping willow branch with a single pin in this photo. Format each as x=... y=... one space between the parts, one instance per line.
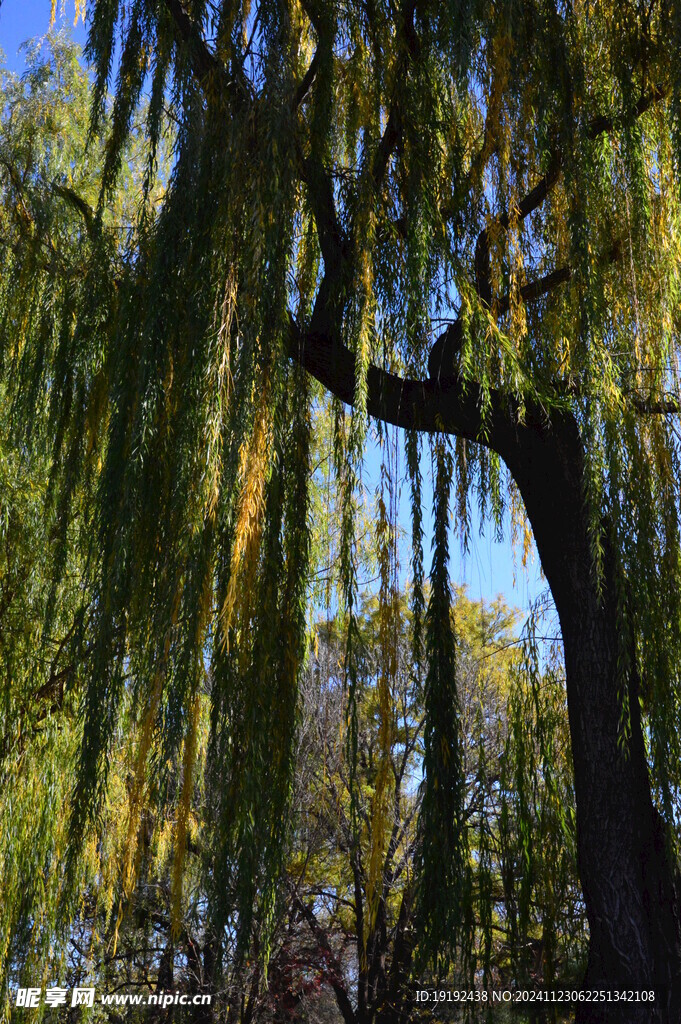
x=442 y=402
x=441 y=361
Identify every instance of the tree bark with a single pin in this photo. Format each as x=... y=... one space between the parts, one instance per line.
x=631 y=888
x=630 y=885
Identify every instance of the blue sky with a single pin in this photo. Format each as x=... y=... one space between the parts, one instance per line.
x=24 y=19
x=489 y=568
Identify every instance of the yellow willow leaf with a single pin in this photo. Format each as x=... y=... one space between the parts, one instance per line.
x=137 y=794
x=254 y=462
x=138 y=791
x=527 y=543
x=380 y=830
x=220 y=386
x=205 y=604
x=96 y=409
x=183 y=818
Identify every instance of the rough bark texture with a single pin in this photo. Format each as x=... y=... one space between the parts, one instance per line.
x=630 y=885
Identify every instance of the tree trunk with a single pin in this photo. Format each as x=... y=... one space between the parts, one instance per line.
x=631 y=888
x=396 y=1008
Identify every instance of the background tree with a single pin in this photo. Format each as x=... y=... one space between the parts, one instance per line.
x=344 y=182
x=523 y=906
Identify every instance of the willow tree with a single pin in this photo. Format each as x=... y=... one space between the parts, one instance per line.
x=461 y=220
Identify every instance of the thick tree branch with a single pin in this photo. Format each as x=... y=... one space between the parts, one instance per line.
x=425 y=405
x=79 y=204
x=442 y=358
x=307 y=80
x=204 y=61
x=442 y=361
x=393 y=129
x=536 y=196
x=606 y=123
x=331 y=237
x=391 y=136
x=668 y=405
x=534 y=290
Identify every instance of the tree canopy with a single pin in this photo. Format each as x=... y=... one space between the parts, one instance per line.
x=456 y=219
